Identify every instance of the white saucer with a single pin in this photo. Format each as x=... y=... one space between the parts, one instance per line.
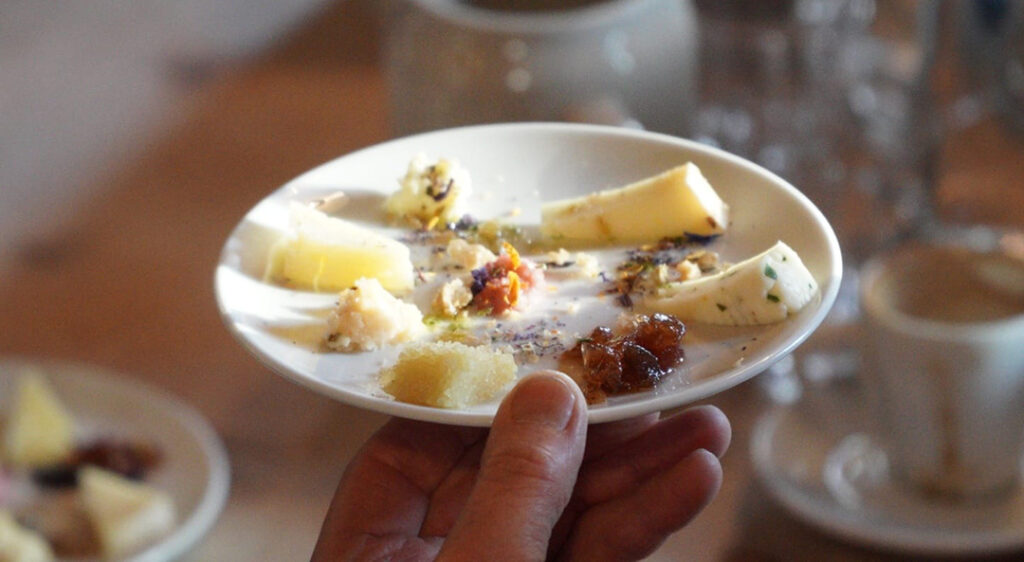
x=815 y=461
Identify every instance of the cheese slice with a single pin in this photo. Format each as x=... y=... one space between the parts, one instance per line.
x=763 y=289
x=676 y=202
x=40 y=431
x=126 y=515
x=325 y=253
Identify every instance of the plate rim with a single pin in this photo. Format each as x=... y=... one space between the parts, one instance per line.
x=703 y=389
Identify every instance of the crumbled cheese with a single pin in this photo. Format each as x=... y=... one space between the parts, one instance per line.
x=559 y=258
x=368 y=317
x=705 y=260
x=430 y=193
x=452 y=297
x=588 y=265
x=660 y=274
x=468 y=256
x=579 y=265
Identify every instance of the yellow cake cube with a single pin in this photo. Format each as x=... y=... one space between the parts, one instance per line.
x=448 y=374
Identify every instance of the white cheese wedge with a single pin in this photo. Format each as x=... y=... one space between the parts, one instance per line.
x=40 y=430
x=760 y=290
x=326 y=253
x=18 y=544
x=673 y=203
x=126 y=515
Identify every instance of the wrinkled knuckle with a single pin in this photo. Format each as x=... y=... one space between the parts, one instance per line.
x=530 y=467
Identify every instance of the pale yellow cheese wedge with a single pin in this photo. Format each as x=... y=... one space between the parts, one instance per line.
x=126 y=515
x=18 y=544
x=448 y=374
x=324 y=253
x=670 y=204
x=40 y=430
x=763 y=289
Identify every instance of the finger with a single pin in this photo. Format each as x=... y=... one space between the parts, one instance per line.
x=385 y=489
x=447 y=501
x=631 y=527
x=601 y=439
x=660 y=447
x=605 y=437
x=527 y=472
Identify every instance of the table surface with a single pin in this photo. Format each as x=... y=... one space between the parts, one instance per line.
x=126 y=283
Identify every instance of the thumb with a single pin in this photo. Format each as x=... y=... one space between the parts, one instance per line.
x=527 y=473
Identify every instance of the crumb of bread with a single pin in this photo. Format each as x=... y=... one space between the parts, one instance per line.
x=368 y=317
x=448 y=374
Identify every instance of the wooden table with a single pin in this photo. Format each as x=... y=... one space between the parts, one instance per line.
x=127 y=284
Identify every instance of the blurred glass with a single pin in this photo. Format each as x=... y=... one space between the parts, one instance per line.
x=993 y=48
x=620 y=62
x=832 y=95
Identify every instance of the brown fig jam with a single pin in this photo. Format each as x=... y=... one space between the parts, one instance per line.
x=605 y=364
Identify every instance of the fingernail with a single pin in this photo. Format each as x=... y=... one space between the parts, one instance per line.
x=544 y=399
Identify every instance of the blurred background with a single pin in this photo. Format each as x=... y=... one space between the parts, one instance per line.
x=134 y=137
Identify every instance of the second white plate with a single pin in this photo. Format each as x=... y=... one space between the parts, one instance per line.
x=194 y=468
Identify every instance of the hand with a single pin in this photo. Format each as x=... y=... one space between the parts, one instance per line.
x=537 y=486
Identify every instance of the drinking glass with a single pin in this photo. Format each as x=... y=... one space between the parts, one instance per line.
x=619 y=62
x=832 y=95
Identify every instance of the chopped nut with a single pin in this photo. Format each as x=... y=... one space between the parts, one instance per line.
x=452 y=297
x=687 y=270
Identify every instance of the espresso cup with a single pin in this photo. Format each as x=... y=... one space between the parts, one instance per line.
x=944 y=365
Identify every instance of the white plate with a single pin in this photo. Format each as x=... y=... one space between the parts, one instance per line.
x=517 y=166
x=194 y=467
x=815 y=460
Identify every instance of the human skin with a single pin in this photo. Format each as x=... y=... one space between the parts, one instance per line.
x=540 y=484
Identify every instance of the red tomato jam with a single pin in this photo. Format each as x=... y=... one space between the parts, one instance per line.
x=500 y=285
